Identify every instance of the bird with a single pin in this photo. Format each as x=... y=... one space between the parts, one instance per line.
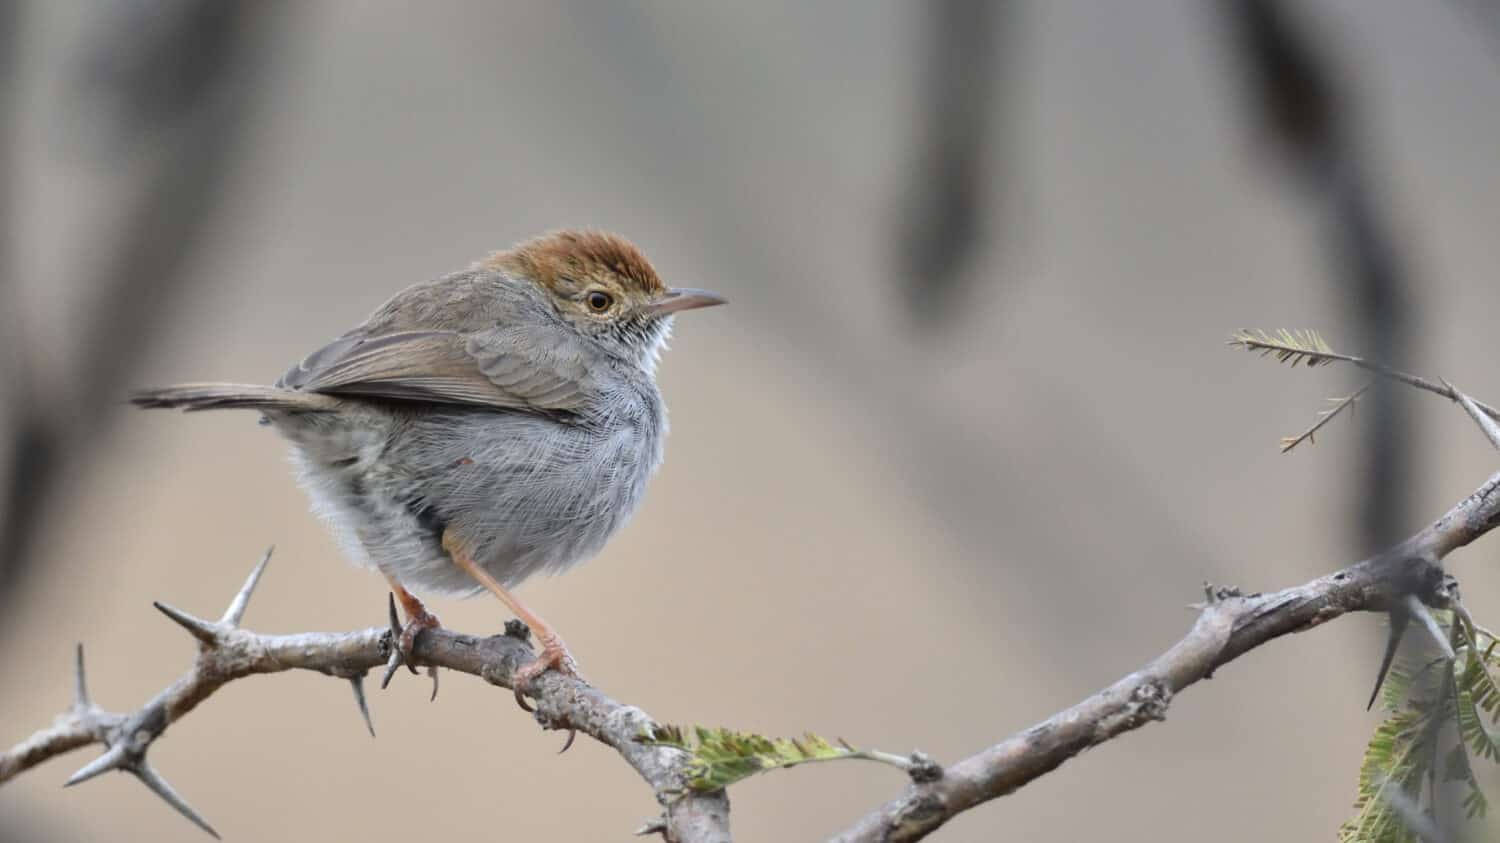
x=482 y=427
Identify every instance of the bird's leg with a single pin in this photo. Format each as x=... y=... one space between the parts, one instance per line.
x=417 y=619
x=555 y=653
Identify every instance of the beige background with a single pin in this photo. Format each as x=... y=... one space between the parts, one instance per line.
x=908 y=542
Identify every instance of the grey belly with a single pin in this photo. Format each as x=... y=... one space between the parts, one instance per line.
x=523 y=494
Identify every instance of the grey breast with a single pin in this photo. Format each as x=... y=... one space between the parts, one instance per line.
x=527 y=493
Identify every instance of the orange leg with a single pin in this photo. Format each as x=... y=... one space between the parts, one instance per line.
x=417 y=619
x=555 y=653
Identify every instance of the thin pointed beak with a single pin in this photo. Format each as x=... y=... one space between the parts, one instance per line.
x=684 y=298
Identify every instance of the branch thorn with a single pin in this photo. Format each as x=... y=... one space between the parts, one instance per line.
x=1486 y=424
x=1420 y=611
x=158 y=785
x=112 y=759
x=1399 y=621
x=236 y=609
x=654 y=826
x=200 y=629
x=358 y=683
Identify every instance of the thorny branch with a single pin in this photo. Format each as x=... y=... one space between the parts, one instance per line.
x=1230 y=625
x=226 y=653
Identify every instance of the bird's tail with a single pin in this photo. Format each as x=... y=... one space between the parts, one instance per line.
x=233 y=396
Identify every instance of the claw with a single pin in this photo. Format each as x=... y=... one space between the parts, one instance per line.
x=404 y=638
x=399 y=642
x=395 y=660
x=572 y=733
x=408 y=641
x=555 y=656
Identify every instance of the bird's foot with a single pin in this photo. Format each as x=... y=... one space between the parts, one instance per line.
x=554 y=656
x=404 y=638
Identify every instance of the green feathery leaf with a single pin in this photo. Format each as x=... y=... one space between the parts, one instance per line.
x=1424 y=699
x=1397 y=682
x=1324 y=417
x=1392 y=760
x=1292 y=347
x=1458 y=769
x=721 y=757
x=1472 y=728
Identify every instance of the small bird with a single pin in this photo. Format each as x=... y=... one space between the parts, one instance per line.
x=482 y=427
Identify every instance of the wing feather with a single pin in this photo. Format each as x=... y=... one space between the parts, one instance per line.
x=501 y=370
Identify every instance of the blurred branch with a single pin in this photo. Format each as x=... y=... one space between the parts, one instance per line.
x=226 y=653
x=1308 y=118
x=942 y=215
x=1486 y=16
x=174 y=82
x=1228 y=626
x=13 y=361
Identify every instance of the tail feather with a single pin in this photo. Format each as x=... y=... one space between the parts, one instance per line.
x=233 y=396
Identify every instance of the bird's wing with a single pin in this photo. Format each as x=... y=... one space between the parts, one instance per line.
x=499 y=369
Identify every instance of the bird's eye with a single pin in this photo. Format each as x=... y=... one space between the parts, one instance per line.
x=599 y=301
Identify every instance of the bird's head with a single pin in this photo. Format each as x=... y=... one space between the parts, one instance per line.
x=604 y=287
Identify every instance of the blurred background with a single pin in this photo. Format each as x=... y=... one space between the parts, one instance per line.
x=962 y=450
